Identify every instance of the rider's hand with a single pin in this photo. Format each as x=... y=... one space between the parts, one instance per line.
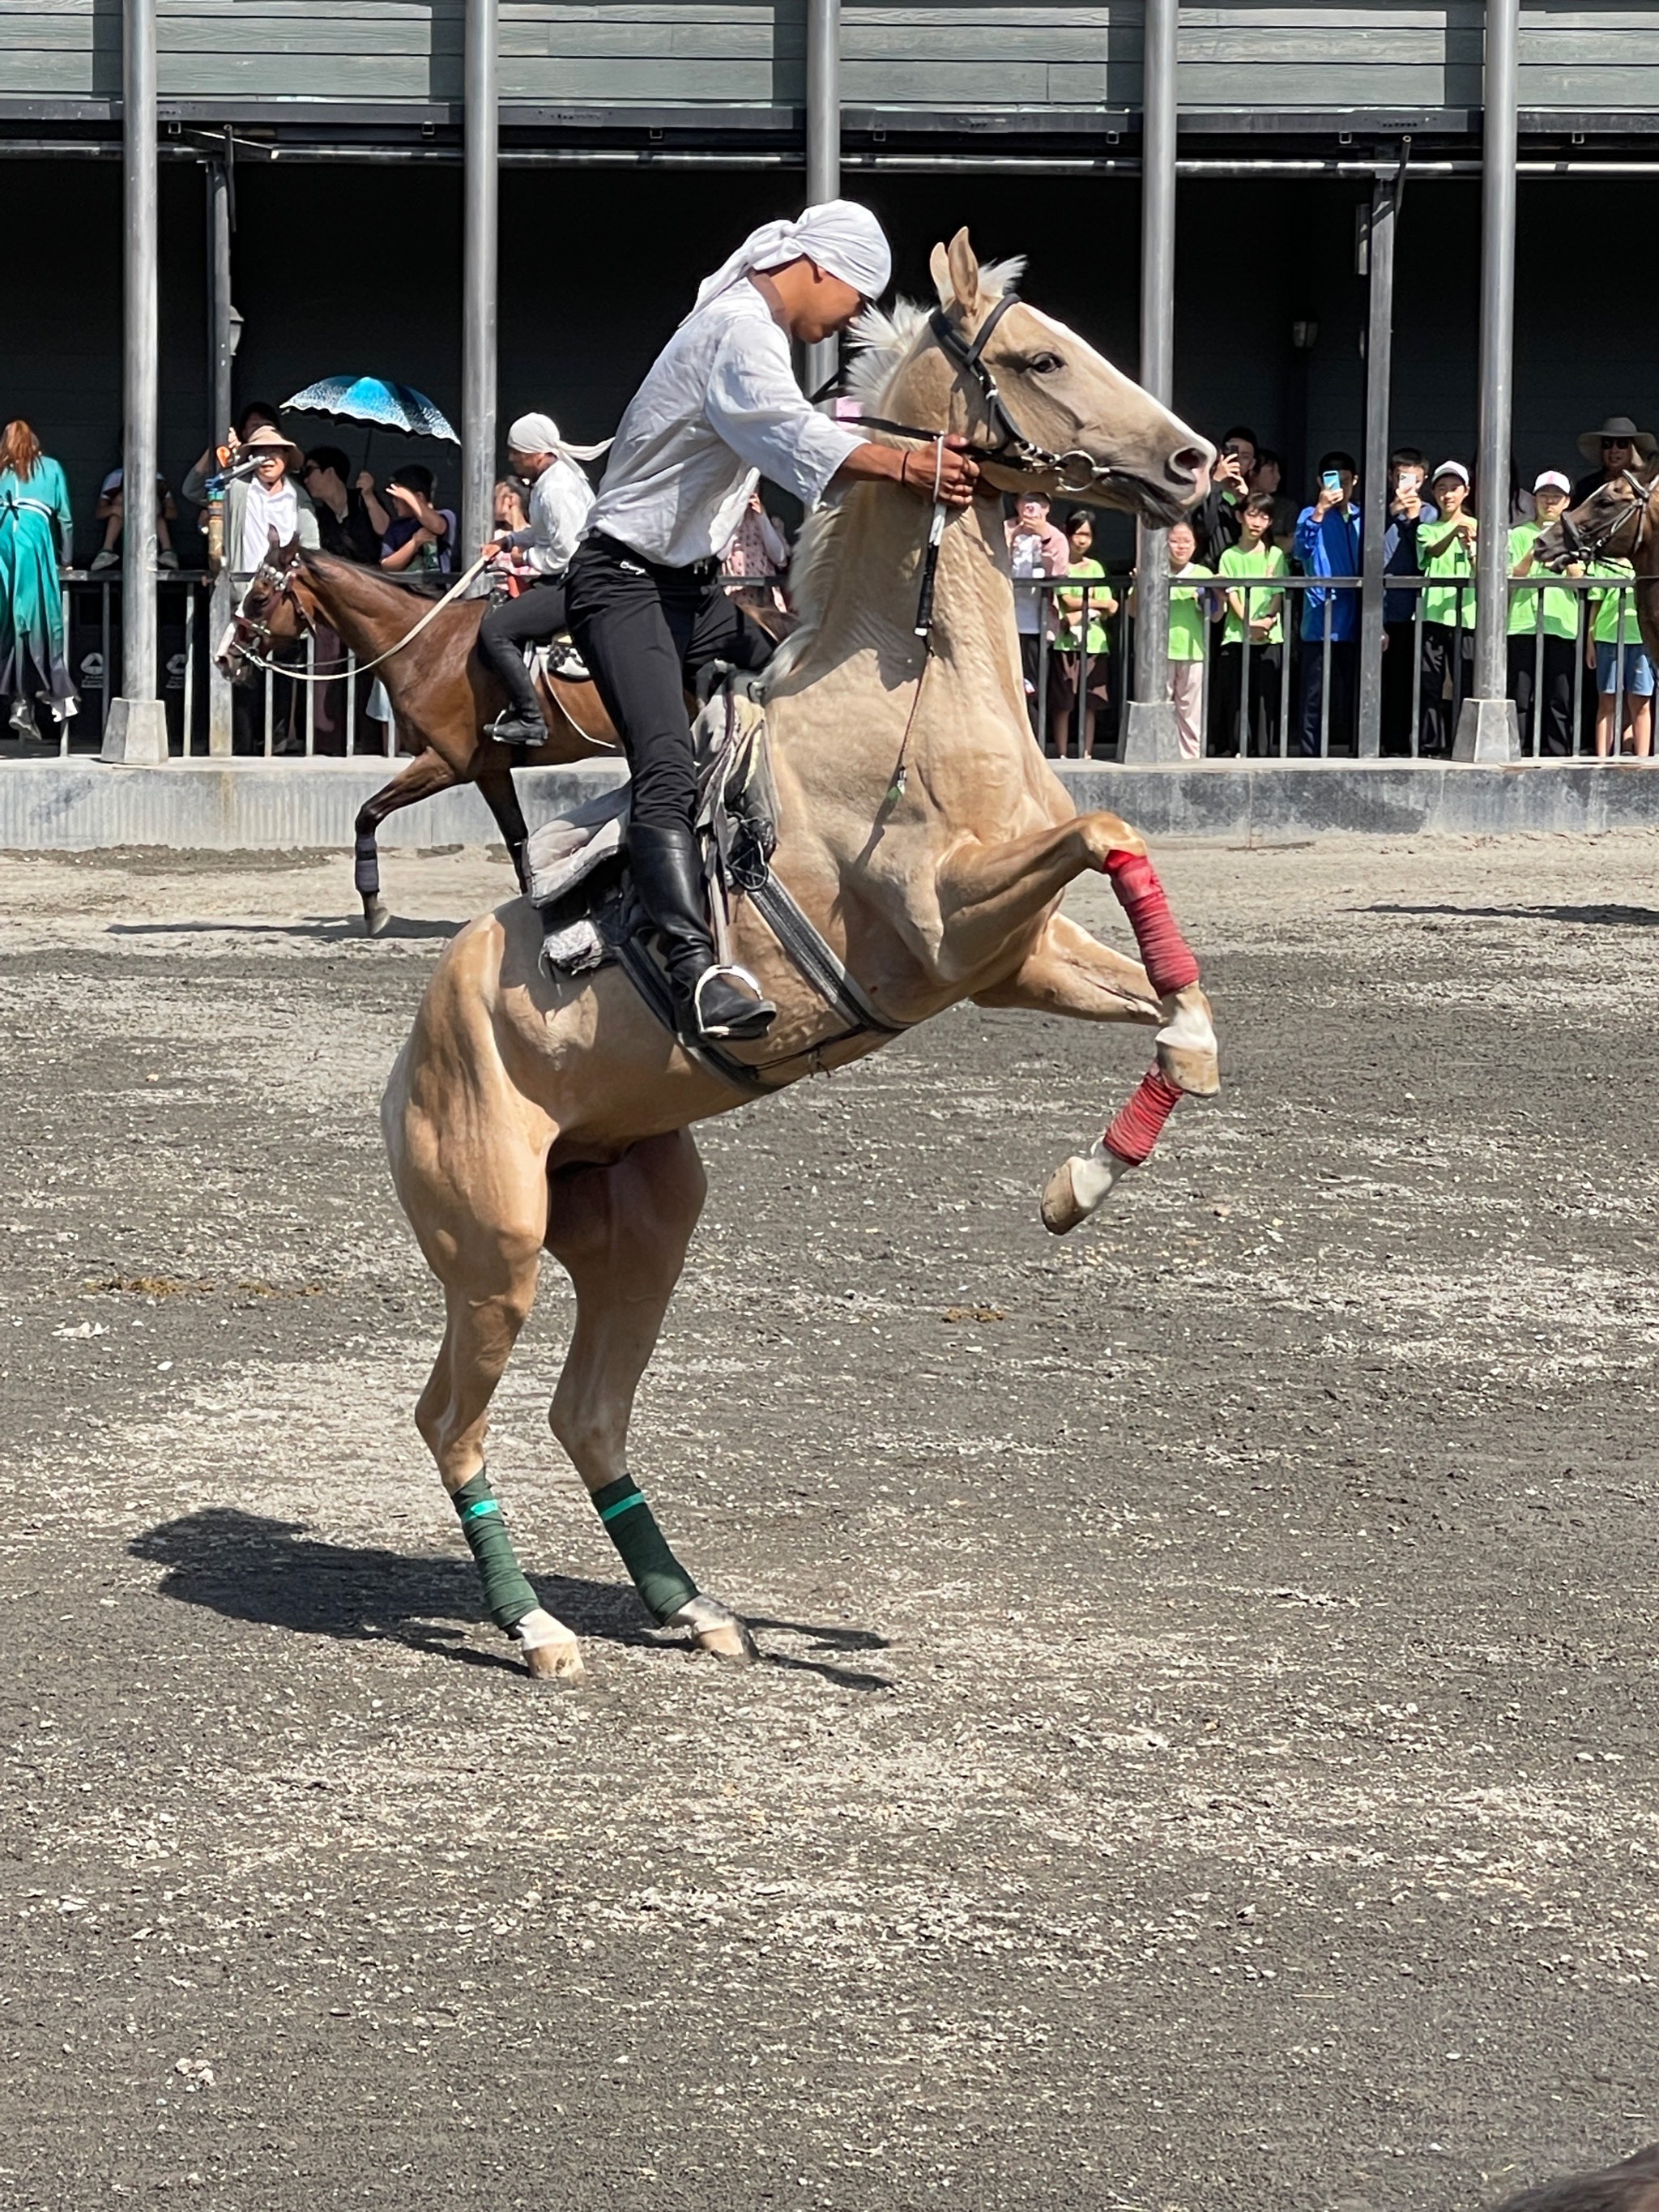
x=956 y=472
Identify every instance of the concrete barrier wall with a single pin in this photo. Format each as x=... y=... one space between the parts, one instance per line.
x=78 y=806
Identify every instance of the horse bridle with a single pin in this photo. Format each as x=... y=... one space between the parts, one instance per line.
x=1075 y=472
x=1577 y=547
x=248 y=629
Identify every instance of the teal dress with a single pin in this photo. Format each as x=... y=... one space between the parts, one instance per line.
x=33 y=664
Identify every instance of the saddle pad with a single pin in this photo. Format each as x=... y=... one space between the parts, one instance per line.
x=562 y=853
x=558 y=658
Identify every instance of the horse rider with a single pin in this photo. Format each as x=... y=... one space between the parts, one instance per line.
x=719 y=409
x=560 y=498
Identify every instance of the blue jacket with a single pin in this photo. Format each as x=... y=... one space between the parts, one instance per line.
x=1328 y=548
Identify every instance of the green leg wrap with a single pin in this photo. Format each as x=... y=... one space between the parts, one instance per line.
x=660 y=1580
x=506 y=1593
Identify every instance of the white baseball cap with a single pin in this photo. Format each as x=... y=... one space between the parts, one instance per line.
x=1450 y=469
x=1551 y=480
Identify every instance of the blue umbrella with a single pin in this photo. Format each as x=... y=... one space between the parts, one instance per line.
x=373 y=400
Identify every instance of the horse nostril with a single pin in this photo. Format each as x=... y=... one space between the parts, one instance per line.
x=1188 y=465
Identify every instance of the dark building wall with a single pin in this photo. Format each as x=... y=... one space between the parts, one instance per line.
x=358 y=269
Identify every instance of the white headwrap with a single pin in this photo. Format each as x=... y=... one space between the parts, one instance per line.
x=840 y=235
x=539 y=434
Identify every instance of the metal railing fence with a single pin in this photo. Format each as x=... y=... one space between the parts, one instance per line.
x=1294 y=698
x=1297 y=697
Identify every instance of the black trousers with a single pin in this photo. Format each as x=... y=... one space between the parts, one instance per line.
x=647 y=632
x=1227 y=684
x=1344 y=694
x=1448 y=652
x=1550 y=701
x=536 y=615
x=1399 y=686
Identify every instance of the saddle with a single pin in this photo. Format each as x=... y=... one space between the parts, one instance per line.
x=579 y=883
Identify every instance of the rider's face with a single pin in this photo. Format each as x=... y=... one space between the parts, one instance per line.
x=829 y=306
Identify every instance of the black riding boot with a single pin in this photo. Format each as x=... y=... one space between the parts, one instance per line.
x=712 y=1005
x=523 y=723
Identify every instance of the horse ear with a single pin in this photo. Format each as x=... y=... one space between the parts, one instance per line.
x=270 y=531
x=964 y=272
x=939 y=267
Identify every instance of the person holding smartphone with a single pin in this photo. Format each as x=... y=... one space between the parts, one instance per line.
x=1409 y=508
x=1216 y=520
x=1326 y=546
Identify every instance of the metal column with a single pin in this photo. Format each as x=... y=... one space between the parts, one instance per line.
x=1149 y=723
x=480 y=261
x=135 y=729
x=1486 y=729
x=822 y=145
x=221 y=347
x=1379 y=365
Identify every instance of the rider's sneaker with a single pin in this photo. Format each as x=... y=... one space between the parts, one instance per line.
x=726 y=1007
x=513 y=728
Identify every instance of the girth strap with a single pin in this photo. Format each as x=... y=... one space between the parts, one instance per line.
x=816 y=962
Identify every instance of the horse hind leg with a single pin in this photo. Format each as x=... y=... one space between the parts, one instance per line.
x=502 y=800
x=621 y=1232
x=427 y=774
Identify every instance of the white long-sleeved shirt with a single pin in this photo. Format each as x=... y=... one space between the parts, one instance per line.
x=560 y=500
x=720 y=409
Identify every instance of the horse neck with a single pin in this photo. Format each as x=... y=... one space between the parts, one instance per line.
x=366 y=613
x=869 y=595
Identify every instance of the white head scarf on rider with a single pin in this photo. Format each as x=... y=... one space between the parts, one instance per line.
x=840 y=235
x=539 y=434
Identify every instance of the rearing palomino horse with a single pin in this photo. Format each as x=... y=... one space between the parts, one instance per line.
x=925 y=837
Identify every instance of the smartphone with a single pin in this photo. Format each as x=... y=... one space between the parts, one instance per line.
x=1332 y=479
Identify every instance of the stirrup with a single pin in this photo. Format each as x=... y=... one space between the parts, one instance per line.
x=755 y=1018
x=513 y=728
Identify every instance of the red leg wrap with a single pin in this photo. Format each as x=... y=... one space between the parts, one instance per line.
x=1138 y=1125
x=1164 y=952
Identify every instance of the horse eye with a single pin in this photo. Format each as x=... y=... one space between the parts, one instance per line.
x=1045 y=364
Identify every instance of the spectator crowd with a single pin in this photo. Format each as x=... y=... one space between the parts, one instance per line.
x=1265 y=612
x=1264 y=592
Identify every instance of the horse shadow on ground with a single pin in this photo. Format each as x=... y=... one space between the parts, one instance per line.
x=323 y=929
x=246 y=1566
x=1627 y=917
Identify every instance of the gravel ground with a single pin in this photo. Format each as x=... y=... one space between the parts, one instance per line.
x=1202 y=1756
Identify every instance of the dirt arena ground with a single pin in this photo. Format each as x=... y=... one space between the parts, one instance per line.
x=1203 y=1752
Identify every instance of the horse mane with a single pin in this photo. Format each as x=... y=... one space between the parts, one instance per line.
x=884 y=340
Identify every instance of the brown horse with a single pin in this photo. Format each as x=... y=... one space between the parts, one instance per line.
x=1620 y=521
x=441 y=693
x=924 y=835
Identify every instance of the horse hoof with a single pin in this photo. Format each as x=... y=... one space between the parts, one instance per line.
x=1079 y=1187
x=376 y=915
x=555 y=1662
x=716 y=1630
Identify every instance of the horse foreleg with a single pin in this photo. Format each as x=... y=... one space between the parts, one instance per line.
x=1067 y=972
x=988 y=893
x=621 y=1232
x=501 y=797
x=429 y=772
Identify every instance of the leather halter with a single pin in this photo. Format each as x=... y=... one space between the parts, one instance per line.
x=1075 y=472
x=248 y=629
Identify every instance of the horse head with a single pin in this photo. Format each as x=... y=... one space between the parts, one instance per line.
x=1608 y=525
x=1042 y=408
x=266 y=615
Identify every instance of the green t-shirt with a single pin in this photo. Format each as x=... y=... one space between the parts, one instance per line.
x=1443 y=602
x=1263 y=560
x=1606 y=604
x=1064 y=636
x=1187 y=620
x=1560 y=618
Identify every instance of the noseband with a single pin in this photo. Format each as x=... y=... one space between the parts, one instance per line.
x=1075 y=472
